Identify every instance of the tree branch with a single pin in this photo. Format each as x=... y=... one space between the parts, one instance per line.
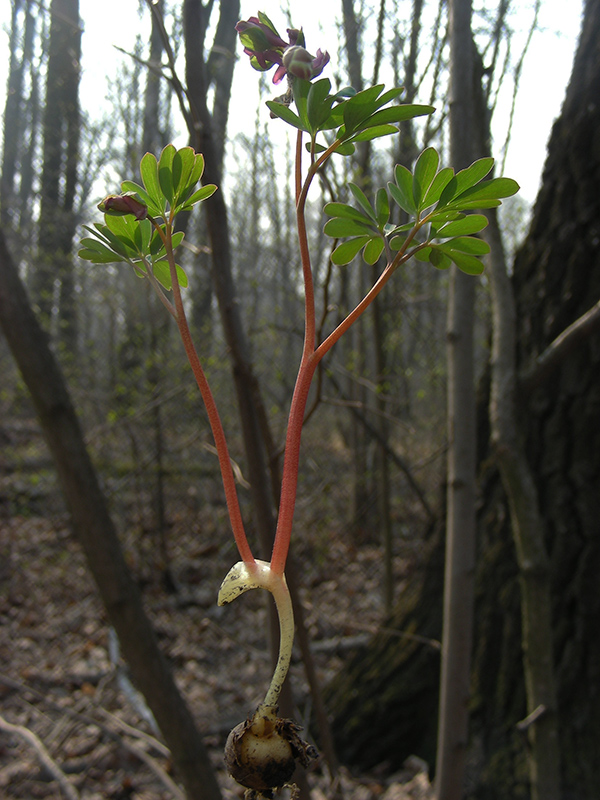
x=557 y=351
x=43 y=755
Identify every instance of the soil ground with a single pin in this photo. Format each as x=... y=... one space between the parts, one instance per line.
x=62 y=679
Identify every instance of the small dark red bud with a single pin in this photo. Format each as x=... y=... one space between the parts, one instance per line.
x=121 y=204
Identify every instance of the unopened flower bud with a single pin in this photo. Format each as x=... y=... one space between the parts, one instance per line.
x=301 y=64
x=298 y=62
x=120 y=204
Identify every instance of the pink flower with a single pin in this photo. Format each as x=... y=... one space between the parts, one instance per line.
x=265 y=47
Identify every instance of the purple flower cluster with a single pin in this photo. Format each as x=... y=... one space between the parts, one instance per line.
x=266 y=47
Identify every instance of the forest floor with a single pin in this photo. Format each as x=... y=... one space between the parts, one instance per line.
x=62 y=680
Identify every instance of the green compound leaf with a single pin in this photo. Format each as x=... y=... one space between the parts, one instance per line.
x=397 y=242
x=318 y=104
x=424 y=174
x=473 y=223
x=362 y=200
x=345 y=252
x=390 y=229
x=465 y=179
x=165 y=172
x=156 y=247
x=373 y=250
x=345 y=149
x=466 y=263
x=142 y=233
x=149 y=173
x=466 y=244
x=397 y=114
x=374 y=132
x=358 y=108
x=124 y=227
x=162 y=273
x=183 y=164
x=119 y=238
x=423 y=253
x=439 y=259
x=300 y=89
x=197 y=171
x=441 y=180
x=388 y=96
x=98 y=253
x=435 y=256
x=346 y=211
x=286 y=114
x=402 y=190
x=339 y=228
x=360 y=112
x=202 y=194
x=382 y=207
x=486 y=194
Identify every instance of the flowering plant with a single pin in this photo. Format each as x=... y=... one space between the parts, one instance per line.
x=438 y=226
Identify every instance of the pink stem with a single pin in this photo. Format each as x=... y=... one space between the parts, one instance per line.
x=289 y=481
x=214 y=419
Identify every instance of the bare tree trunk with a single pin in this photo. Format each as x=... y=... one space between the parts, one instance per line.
x=460 y=521
x=20 y=37
x=20 y=128
x=61 y=130
x=528 y=531
x=97 y=534
x=152 y=141
x=355 y=344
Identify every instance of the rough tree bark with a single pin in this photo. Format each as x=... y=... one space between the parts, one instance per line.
x=528 y=531
x=97 y=535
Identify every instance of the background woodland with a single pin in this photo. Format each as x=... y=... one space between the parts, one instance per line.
x=140 y=508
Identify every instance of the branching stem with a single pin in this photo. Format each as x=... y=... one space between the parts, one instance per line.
x=311 y=355
x=214 y=419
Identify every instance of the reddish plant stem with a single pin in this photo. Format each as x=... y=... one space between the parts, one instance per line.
x=311 y=356
x=214 y=419
x=309 y=291
x=336 y=334
x=308 y=363
x=289 y=481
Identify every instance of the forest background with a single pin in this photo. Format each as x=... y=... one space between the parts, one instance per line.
x=380 y=419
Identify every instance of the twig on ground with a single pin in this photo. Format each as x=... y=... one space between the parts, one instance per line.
x=138 y=734
x=43 y=755
x=138 y=752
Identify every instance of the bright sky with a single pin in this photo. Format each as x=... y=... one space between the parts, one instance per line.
x=545 y=75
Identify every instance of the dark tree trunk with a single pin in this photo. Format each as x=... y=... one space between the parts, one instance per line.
x=21 y=112
x=556 y=280
x=381 y=711
x=61 y=129
x=383 y=704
